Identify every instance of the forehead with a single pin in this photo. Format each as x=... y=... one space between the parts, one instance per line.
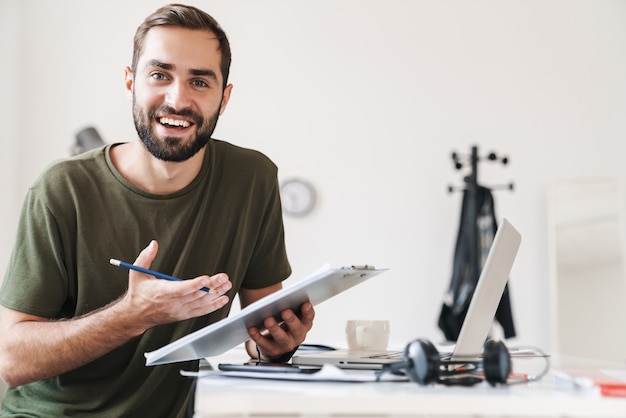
x=184 y=48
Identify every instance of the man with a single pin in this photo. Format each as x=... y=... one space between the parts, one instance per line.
x=73 y=329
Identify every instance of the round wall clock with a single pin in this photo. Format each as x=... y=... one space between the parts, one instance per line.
x=298 y=197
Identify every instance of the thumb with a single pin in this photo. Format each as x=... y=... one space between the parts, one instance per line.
x=147 y=255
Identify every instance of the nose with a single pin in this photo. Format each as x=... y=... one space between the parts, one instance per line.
x=177 y=95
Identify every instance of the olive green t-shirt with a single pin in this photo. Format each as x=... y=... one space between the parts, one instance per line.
x=81 y=212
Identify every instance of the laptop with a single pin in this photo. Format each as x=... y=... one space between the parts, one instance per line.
x=477 y=322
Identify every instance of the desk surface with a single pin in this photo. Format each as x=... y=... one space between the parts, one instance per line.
x=241 y=397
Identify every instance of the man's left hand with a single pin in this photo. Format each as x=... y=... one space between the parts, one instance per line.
x=284 y=337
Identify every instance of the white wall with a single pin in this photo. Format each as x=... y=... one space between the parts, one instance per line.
x=367 y=99
x=10 y=111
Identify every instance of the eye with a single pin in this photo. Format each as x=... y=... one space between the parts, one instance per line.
x=199 y=83
x=158 y=76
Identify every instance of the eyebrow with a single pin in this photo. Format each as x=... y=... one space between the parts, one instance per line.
x=172 y=67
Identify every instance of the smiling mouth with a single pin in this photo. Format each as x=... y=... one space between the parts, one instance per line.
x=174 y=123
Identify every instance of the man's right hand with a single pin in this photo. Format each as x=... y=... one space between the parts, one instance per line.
x=156 y=301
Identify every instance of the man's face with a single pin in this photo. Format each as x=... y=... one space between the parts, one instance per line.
x=177 y=91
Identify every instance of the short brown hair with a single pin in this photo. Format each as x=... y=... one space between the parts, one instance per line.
x=188 y=17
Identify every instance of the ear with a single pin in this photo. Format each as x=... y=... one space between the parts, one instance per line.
x=129 y=81
x=226 y=98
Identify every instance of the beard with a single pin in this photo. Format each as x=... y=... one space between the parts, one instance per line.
x=173 y=148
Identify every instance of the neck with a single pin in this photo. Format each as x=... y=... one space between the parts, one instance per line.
x=137 y=165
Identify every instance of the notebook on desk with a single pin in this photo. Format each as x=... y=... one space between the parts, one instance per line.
x=477 y=322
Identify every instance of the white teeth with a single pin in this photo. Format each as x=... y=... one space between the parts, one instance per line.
x=174 y=122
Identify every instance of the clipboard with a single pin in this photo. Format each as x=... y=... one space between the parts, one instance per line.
x=228 y=333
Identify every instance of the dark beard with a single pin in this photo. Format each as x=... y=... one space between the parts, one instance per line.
x=171 y=148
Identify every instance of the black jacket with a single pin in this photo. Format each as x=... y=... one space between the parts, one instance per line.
x=464 y=280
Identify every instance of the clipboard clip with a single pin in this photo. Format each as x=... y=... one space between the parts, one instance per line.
x=362 y=267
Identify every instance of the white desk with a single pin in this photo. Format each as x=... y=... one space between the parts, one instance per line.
x=239 y=398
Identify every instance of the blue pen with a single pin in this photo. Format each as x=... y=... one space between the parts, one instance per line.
x=150 y=272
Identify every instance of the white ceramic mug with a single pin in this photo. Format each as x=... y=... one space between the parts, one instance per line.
x=367 y=334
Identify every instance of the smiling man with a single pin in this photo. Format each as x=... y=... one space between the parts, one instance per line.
x=173 y=98
x=73 y=329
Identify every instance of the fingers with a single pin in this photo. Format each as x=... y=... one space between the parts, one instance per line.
x=187 y=300
x=217 y=284
x=296 y=326
x=203 y=306
x=146 y=256
x=282 y=338
x=196 y=302
x=307 y=315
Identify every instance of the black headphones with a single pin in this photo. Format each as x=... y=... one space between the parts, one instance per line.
x=423 y=364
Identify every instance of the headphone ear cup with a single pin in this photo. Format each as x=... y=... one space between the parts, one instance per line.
x=496 y=362
x=423 y=359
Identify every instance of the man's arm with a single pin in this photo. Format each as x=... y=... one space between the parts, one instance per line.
x=281 y=337
x=34 y=348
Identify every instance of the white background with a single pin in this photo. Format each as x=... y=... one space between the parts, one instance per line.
x=367 y=100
